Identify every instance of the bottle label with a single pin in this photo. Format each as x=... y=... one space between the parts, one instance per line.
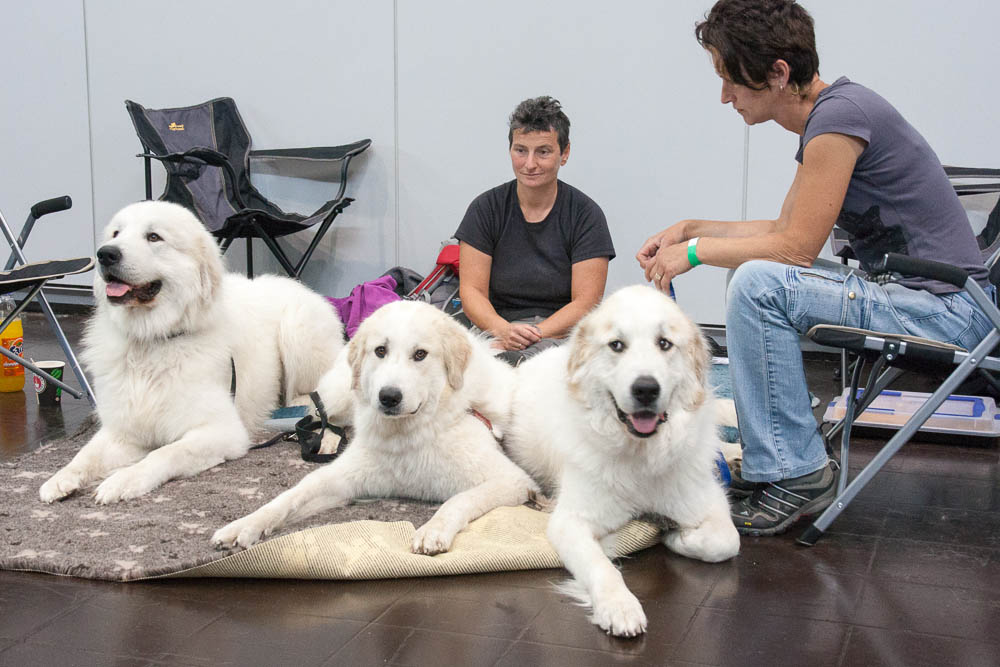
x=10 y=367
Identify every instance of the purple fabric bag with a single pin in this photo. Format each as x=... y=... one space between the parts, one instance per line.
x=364 y=300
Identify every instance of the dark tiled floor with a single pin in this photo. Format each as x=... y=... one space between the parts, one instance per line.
x=909 y=575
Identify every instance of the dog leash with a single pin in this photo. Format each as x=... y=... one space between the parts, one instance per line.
x=309 y=434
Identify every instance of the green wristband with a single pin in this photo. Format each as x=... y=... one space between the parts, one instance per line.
x=693 y=252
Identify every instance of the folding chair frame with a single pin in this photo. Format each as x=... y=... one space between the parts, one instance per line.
x=891 y=351
x=35 y=291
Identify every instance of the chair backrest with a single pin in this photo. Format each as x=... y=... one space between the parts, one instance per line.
x=215 y=124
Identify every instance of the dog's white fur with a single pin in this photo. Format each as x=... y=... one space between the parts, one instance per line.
x=567 y=434
x=162 y=368
x=428 y=446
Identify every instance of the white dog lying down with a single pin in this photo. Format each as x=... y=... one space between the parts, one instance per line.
x=619 y=422
x=170 y=327
x=415 y=374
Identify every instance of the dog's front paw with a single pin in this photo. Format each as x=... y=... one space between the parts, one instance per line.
x=431 y=539
x=124 y=485
x=240 y=533
x=620 y=614
x=60 y=485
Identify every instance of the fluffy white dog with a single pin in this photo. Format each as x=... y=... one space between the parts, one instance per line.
x=619 y=423
x=415 y=375
x=170 y=327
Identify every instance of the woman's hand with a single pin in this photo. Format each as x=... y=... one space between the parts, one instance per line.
x=669 y=262
x=517 y=336
x=669 y=236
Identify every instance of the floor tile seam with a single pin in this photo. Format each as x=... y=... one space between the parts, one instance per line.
x=512 y=588
x=367 y=626
x=597 y=651
x=457 y=598
x=444 y=630
x=81 y=650
x=414 y=631
x=687 y=629
x=942 y=587
x=378 y=621
x=937 y=635
x=799 y=614
x=534 y=618
x=954 y=508
x=457 y=632
x=943 y=542
x=891 y=538
x=222 y=614
x=64 y=612
x=364 y=626
x=844 y=645
x=509 y=649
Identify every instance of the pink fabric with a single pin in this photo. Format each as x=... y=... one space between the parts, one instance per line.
x=364 y=300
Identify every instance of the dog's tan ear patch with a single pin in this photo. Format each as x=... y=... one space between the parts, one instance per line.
x=456 y=350
x=696 y=353
x=581 y=351
x=355 y=355
x=210 y=268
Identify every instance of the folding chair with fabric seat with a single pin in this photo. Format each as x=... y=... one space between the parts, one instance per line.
x=205 y=150
x=32 y=277
x=891 y=355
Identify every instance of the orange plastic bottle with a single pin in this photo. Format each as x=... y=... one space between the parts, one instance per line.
x=12 y=338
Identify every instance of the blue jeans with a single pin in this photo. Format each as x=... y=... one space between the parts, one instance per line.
x=769 y=305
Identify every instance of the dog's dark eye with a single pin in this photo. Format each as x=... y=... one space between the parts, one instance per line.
x=664 y=344
x=420 y=355
x=114 y=233
x=153 y=237
x=617 y=346
x=380 y=351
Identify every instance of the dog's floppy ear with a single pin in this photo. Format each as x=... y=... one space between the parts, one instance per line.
x=697 y=357
x=355 y=354
x=456 y=350
x=210 y=269
x=581 y=351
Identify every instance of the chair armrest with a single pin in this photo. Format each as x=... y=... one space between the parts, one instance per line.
x=200 y=155
x=971 y=172
x=924 y=268
x=51 y=206
x=315 y=153
x=974 y=173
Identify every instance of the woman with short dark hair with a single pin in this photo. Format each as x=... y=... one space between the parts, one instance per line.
x=534 y=251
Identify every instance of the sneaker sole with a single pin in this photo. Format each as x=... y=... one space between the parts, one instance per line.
x=811 y=507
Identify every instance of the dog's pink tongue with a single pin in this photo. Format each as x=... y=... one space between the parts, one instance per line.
x=644 y=424
x=115 y=288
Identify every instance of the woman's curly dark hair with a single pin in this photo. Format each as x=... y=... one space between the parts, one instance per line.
x=750 y=35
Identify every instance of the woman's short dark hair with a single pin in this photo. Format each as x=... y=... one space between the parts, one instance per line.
x=750 y=35
x=540 y=114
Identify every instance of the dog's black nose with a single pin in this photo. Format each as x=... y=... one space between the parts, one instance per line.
x=645 y=390
x=109 y=255
x=390 y=396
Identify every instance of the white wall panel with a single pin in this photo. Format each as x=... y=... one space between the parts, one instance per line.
x=44 y=134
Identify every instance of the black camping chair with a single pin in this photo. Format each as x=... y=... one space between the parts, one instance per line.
x=32 y=277
x=891 y=355
x=205 y=150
